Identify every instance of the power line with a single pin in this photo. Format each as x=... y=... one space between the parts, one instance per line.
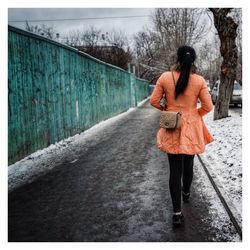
x=77 y=19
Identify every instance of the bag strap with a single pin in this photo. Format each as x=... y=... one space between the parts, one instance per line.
x=173 y=78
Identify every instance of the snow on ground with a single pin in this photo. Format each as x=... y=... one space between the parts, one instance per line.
x=222 y=222
x=41 y=161
x=223 y=157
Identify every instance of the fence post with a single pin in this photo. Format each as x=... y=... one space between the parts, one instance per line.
x=132 y=85
x=135 y=86
x=129 y=68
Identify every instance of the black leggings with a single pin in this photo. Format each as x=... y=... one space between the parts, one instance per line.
x=181 y=167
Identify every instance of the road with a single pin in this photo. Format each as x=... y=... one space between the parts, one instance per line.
x=235 y=110
x=115 y=190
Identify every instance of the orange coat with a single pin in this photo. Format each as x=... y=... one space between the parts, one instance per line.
x=193 y=134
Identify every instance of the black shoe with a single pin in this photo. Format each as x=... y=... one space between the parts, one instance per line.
x=185 y=197
x=178 y=219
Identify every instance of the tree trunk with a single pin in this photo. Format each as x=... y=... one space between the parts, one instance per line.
x=227 y=31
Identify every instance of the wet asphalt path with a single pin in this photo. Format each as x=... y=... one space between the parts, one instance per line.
x=116 y=190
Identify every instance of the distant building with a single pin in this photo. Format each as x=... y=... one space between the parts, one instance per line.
x=109 y=54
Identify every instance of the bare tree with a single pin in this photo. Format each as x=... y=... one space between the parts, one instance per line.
x=110 y=47
x=147 y=45
x=117 y=38
x=171 y=28
x=89 y=37
x=237 y=16
x=179 y=26
x=209 y=59
x=74 y=38
x=42 y=30
x=227 y=31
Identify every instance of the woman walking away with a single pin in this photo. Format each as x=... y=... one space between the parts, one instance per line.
x=182 y=88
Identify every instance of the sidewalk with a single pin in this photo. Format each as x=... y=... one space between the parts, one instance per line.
x=110 y=185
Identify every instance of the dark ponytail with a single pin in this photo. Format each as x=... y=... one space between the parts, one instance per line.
x=186 y=57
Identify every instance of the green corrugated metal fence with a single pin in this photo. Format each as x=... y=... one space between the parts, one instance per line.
x=55 y=92
x=142 y=89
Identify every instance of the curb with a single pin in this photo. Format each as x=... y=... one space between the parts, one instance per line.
x=226 y=202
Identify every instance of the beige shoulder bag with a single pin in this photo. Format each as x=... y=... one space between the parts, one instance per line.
x=170 y=119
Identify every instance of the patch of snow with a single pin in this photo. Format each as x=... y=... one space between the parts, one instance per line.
x=223 y=156
x=221 y=223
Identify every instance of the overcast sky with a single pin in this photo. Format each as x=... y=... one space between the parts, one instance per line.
x=128 y=25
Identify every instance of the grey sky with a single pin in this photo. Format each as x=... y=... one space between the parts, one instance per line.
x=130 y=26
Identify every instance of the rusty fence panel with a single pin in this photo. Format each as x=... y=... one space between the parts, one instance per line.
x=55 y=91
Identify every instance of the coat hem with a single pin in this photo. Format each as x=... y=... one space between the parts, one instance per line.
x=180 y=150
